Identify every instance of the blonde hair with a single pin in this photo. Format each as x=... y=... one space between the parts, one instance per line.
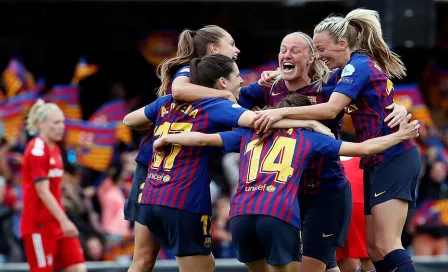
x=192 y=44
x=362 y=30
x=318 y=72
x=38 y=112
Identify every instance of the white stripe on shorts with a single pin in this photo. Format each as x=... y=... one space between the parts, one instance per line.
x=39 y=250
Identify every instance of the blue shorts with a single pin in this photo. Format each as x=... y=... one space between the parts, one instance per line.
x=395 y=178
x=132 y=205
x=184 y=233
x=325 y=222
x=258 y=237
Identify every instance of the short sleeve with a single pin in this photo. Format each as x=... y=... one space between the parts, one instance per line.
x=152 y=110
x=323 y=145
x=224 y=112
x=251 y=95
x=232 y=139
x=39 y=161
x=354 y=76
x=184 y=71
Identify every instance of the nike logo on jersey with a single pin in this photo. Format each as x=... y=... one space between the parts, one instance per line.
x=275 y=94
x=52 y=161
x=378 y=194
x=326 y=235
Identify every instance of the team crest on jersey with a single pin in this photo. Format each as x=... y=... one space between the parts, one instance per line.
x=52 y=161
x=349 y=69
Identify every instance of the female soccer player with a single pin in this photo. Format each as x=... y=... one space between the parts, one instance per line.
x=324 y=193
x=270 y=170
x=355 y=44
x=49 y=237
x=177 y=186
x=174 y=73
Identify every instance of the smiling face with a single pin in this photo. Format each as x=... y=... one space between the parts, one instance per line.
x=232 y=82
x=330 y=52
x=294 y=57
x=227 y=47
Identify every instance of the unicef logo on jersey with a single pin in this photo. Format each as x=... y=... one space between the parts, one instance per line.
x=163 y=177
x=263 y=188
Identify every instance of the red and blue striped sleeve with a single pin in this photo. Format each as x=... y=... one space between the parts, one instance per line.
x=354 y=77
x=232 y=139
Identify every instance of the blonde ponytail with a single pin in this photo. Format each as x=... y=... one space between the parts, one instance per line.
x=362 y=30
x=38 y=112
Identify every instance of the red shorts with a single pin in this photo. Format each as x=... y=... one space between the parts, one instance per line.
x=45 y=254
x=355 y=246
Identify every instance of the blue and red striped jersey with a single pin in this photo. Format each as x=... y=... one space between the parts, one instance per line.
x=181 y=178
x=270 y=172
x=145 y=150
x=371 y=92
x=323 y=174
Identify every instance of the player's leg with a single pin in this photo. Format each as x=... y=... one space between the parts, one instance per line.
x=199 y=263
x=69 y=256
x=146 y=249
x=282 y=246
x=258 y=266
x=325 y=227
x=249 y=247
x=393 y=185
x=367 y=264
x=39 y=252
x=348 y=265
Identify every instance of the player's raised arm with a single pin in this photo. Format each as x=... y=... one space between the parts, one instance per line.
x=408 y=131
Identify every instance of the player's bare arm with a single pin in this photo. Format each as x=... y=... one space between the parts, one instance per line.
x=44 y=193
x=184 y=90
x=407 y=131
x=137 y=120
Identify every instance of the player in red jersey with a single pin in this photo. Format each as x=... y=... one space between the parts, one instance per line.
x=355 y=247
x=49 y=237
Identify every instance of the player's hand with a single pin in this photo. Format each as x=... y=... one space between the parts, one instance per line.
x=159 y=145
x=322 y=129
x=69 y=228
x=267 y=78
x=263 y=120
x=409 y=129
x=397 y=115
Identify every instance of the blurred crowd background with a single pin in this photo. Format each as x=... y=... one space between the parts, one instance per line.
x=97 y=61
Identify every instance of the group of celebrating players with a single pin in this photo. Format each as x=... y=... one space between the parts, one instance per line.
x=293 y=204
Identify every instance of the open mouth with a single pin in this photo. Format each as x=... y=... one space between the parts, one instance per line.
x=288 y=66
x=235 y=57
